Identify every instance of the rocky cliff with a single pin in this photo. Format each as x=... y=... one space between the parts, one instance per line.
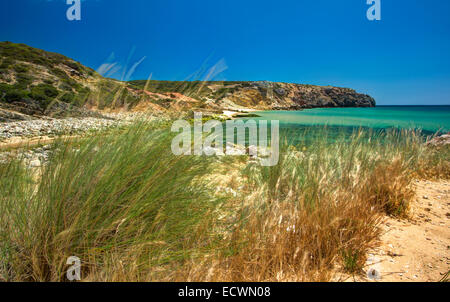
x=35 y=82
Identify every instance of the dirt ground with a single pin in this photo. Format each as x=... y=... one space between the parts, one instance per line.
x=417 y=249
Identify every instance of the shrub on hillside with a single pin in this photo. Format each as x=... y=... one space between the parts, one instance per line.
x=21 y=68
x=68 y=97
x=15 y=96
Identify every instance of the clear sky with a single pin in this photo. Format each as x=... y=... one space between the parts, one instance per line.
x=402 y=59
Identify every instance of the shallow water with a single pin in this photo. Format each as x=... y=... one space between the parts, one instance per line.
x=430 y=119
x=333 y=124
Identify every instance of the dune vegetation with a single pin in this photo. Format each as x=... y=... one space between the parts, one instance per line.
x=133 y=211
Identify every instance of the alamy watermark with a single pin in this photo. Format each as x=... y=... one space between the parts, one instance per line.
x=374 y=11
x=74 y=11
x=74 y=270
x=236 y=134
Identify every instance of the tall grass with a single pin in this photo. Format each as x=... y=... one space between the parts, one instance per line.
x=132 y=211
x=121 y=198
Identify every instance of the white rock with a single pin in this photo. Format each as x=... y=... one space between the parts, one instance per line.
x=35 y=163
x=253 y=150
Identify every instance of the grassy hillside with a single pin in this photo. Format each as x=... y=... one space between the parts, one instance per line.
x=37 y=82
x=34 y=79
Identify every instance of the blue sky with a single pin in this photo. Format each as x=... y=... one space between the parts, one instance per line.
x=402 y=59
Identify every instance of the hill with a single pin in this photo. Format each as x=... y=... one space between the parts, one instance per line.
x=35 y=82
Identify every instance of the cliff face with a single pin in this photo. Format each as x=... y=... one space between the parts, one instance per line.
x=284 y=96
x=36 y=83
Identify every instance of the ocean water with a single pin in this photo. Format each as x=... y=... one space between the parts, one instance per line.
x=332 y=124
x=428 y=119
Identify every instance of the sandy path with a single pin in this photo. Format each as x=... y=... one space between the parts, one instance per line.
x=20 y=142
x=417 y=249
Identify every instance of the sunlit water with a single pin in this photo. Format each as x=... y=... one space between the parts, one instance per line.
x=428 y=119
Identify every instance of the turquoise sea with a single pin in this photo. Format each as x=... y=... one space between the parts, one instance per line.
x=300 y=127
x=429 y=119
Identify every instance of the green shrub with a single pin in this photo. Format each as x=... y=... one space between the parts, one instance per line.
x=4 y=88
x=74 y=65
x=352 y=261
x=59 y=73
x=44 y=94
x=65 y=86
x=68 y=97
x=6 y=62
x=43 y=91
x=24 y=79
x=21 y=68
x=15 y=96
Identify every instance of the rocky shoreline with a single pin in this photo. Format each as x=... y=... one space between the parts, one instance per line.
x=40 y=127
x=65 y=126
x=16 y=134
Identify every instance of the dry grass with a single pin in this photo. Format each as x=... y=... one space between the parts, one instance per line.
x=317 y=213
